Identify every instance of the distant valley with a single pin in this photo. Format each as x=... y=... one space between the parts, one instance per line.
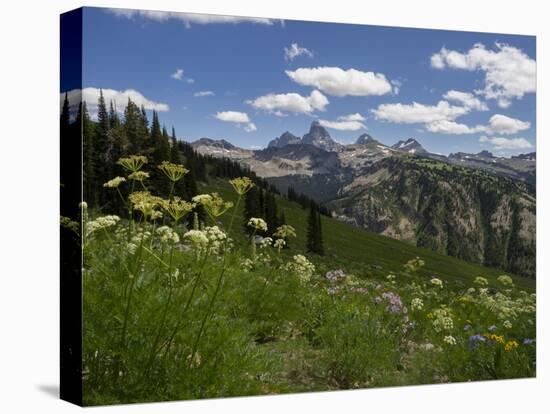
x=477 y=207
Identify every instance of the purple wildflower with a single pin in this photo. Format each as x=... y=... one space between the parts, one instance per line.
x=333 y=290
x=474 y=340
x=395 y=304
x=528 y=341
x=335 y=275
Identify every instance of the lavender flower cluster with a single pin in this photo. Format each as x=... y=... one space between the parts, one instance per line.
x=335 y=276
x=395 y=304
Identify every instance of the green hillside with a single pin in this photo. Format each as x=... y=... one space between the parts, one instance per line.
x=367 y=253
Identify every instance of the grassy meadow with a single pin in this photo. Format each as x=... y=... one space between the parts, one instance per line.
x=181 y=308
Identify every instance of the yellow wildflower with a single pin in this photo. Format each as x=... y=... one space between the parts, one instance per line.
x=173 y=171
x=242 y=185
x=177 y=208
x=133 y=162
x=139 y=175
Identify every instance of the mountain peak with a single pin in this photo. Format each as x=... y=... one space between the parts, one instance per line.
x=411 y=145
x=486 y=153
x=220 y=143
x=365 y=139
x=286 y=138
x=531 y=156
x=320 y=137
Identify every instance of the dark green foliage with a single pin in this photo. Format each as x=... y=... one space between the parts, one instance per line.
x=314 y=242
x=90 y=181
x=252 y=207
x=135 y=128
x=463 y=212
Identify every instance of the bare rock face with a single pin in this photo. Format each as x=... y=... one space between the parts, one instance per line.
x=478 y=207
x=319 y=137
x=285 y=139
x=412 y=146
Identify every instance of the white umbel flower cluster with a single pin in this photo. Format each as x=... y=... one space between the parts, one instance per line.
x=266 y=242
x=302 y=267
x=449 y=340
x=115 y=182
x=197 y=238
x=101 y=223
x=167 y=235
x=417 y=304
x=257 y=224
x=443 y=320
x=216 y=238
x=436 y=282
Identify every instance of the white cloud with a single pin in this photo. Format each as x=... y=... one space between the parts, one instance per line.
x=178 y=74
x=498 y=124
x=237 y=118
x=250 y=127
x=396 y=86
x=450 y=127
x=343 y=125
x=295 y=50
x=509 y=72
x=232 y=116
x=351 y=117
x=502 y=124
x=466 y=99
x=290 y=102
x=120 y=98
x=338 y=82
x=417 y=113
x=204 y=93
x=189 y=18
x=500 y=143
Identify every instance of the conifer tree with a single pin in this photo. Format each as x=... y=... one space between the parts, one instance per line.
x=133 y=128
x=101 y=143
x=311 y=228
x=319 y=245
x=65 y=115
x=90 y=183
x=271 y=211
x=180 y=188
x=114 y=120
x=251 y=207
x=314 y=237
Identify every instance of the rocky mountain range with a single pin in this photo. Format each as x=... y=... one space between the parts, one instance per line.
x=477 y=207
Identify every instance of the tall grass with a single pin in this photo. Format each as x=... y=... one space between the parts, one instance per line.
x=174 y=313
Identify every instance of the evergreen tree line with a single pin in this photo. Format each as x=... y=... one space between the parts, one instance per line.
x=261 y=202
x=112 y=136
x=305 y=201
x=314 y=235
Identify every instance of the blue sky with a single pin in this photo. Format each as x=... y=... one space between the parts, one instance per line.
x=259 y=78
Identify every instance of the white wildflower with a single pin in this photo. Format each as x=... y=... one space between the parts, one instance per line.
x=115 y=182
x=167 y=235
x=417 y=304
x=257 y=224
x=197 y=238
x=266 y=242
x=436 y=282
x=481 y=281
x=101 y=223
x=279 y=244
x=449 y=340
